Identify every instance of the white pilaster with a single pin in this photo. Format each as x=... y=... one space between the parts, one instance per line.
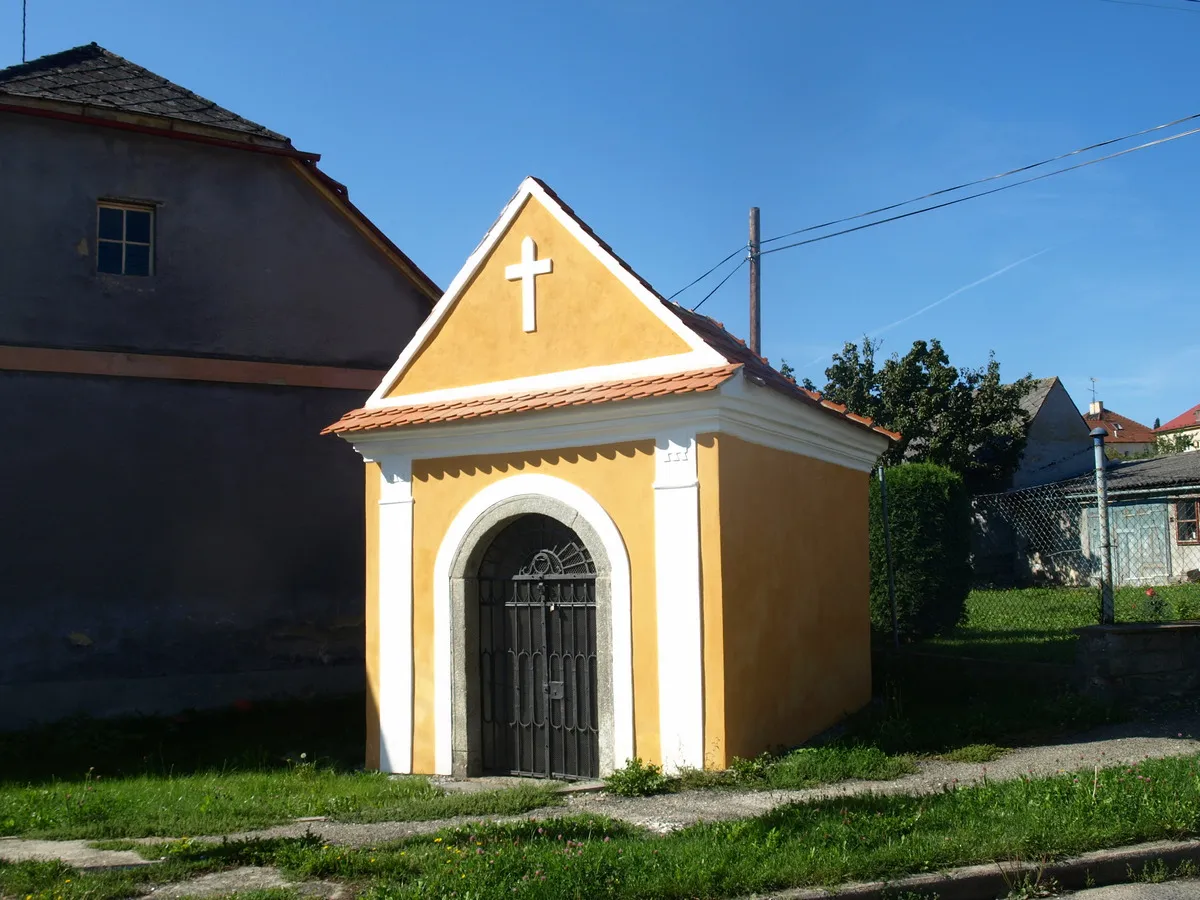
x=395 y=615
x=677 y=583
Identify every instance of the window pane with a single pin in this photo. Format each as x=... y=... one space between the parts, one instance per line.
x=137 y=259
x=1186 y=532
x=110 y=223
x=137 y=226
x=1185 y=509
x=108 y=257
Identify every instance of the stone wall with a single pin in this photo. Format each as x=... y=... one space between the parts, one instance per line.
x=1139 y=662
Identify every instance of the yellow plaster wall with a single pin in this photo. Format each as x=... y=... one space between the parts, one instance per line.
x=371 y=495
x=620 y=479
x=707 y=467
x=794 y=575
x=585 y=317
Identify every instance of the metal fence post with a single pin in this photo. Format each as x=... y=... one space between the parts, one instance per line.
x=887 y=550
x=1107 y=613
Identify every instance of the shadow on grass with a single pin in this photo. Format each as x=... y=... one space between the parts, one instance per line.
x=927 y=703
x=251 y=737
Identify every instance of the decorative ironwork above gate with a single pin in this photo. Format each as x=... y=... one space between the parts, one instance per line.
x=569 y=560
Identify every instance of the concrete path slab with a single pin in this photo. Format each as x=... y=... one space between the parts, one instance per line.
x=73 y=853
x=248 y=878
x=1188 y=889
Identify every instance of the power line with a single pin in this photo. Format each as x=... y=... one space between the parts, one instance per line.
x=967 y=184
x=732 y=272
x=710 y=271
x=995 y=190
x=949 y=190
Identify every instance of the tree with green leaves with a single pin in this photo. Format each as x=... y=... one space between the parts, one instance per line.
x=967 y=420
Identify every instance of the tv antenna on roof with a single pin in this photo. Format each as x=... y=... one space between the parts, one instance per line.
x=1093 y=380
x=24 y=10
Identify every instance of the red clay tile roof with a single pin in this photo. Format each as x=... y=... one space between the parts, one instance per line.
x=502 y=404
x=1121 y=429
x=1189 y=419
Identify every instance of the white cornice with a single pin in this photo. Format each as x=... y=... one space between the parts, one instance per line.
x=755 y=414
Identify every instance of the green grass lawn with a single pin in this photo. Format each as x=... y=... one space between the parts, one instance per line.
x=215 y=803
x=797 y=769
x=227 y=770
x=1037 y=624
x=802 y=844
x=217 y=771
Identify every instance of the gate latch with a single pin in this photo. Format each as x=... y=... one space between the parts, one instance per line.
x=556 y=690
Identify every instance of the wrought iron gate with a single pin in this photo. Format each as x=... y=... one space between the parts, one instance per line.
x=537 y=653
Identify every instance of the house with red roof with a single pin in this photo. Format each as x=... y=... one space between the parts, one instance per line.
x=1186 y=424
x=1125 y=436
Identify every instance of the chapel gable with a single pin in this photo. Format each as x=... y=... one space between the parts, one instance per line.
x=540 y=297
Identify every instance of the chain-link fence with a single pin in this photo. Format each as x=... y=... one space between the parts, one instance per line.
x=1038 y=573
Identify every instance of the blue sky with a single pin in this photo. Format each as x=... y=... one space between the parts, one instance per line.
x=662 y=122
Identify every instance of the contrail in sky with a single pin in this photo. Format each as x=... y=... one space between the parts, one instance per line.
x=950 y=296
x=954 y=293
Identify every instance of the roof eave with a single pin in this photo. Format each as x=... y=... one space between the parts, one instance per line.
x=340 y=195
x=145 y=123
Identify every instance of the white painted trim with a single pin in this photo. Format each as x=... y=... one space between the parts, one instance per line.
x=761 y=415
x=395 y=552
x=753 y=413
x=622 y=623
x=531 y=189
x=678 y=602
x=642 y=368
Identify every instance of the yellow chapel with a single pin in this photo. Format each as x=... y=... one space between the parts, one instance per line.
x=599 y=527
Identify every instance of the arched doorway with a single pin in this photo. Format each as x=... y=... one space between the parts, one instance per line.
x=537 y=657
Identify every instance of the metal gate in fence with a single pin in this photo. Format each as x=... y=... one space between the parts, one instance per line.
x=537 y=653
x=1140 y=537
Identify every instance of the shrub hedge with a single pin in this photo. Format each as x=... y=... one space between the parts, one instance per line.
x=929 y=512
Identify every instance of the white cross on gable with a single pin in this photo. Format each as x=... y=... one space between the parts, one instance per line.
x=525 y=271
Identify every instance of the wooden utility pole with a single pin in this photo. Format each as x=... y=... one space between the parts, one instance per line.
x=755 y=285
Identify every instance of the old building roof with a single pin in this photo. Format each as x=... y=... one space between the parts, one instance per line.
x=580 y=395
x=1176 y=470
x=92 y=75
x=1189 y=419
x=1033 y=399
x=1121 y=429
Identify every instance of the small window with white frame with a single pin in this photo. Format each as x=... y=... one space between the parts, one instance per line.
x=1187 y=521
x=124 y=239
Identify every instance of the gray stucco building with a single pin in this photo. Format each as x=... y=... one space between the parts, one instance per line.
x=1058 y=443
x=187 y=300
